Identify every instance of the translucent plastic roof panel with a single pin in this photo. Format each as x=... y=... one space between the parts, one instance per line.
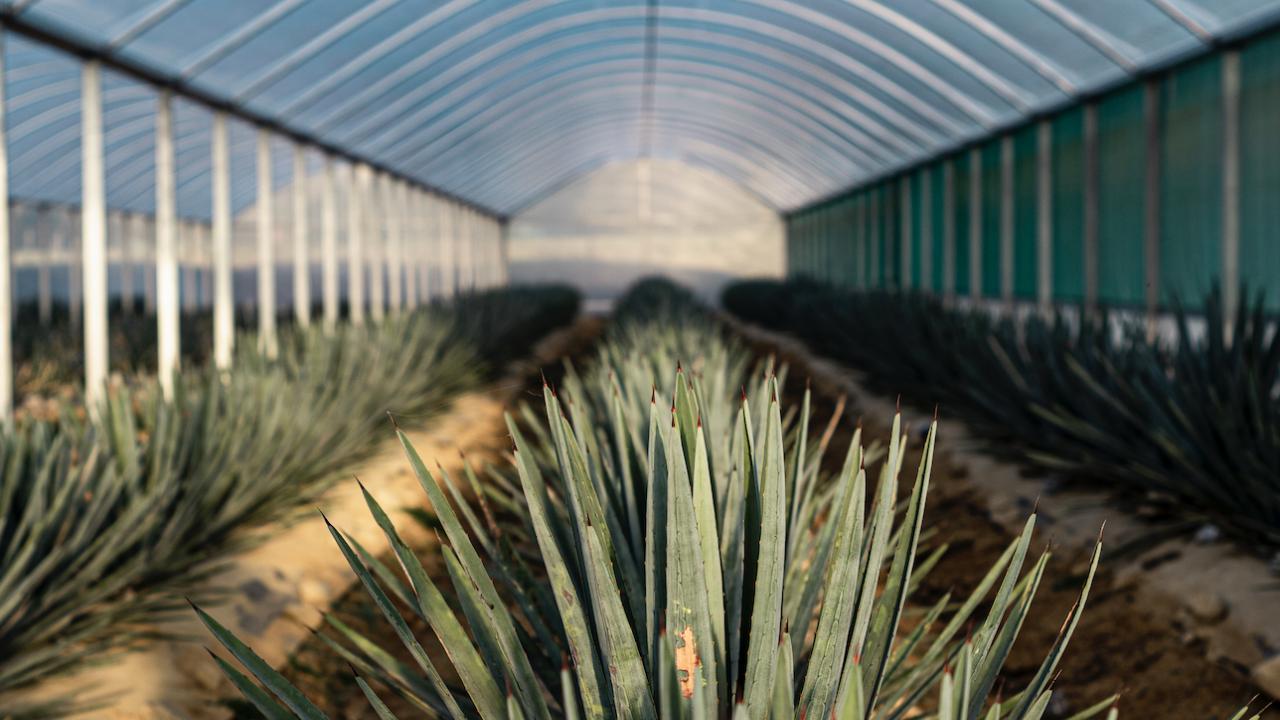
x=502 y=101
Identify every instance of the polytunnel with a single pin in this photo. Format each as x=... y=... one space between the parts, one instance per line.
x=629 y=280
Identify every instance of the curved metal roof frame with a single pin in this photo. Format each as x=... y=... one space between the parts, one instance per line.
x=498 y=101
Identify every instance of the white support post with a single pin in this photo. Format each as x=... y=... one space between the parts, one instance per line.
x=6 y=270
x=448 y=272
x=329 y=246
x=266 y=248
x=1230 y=187
x=408 y=246
x=93 y=237
x=377 y=247
x=395 y=246
x=357 y=192
x=223 y=308
x=168 y=334
x=1044 y=215
x=481 y=252
x=301 y=254
x=426 y=246
x=1006 y=218
x=461 y=247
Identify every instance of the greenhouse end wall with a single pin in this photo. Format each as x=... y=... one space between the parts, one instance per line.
x=1141 y=198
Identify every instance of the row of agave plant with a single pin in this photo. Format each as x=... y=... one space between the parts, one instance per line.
x=1191 y=427
x=106 y=525
x=48 y=359
x=668 y=529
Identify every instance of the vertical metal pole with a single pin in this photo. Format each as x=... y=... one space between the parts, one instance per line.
x=167 y=328
x=904 y=270
x=329 y=246
x=409 y=245
x=1006 y=218
x=448 y=276
x=223 y=318
x=1044 y=214
x=93 y=218
x=1230 y=186
x=430 y=237
x=975 y=223
x=356 y=194
x=301 y=255
x=266 y=248
x=1091 y=179
x=377 y=247
x=395 y=245
x=1151 y=203
x=926 y=229
x=949 y=229
x=6 y=269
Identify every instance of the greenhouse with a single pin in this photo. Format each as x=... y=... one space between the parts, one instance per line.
x=654 y=359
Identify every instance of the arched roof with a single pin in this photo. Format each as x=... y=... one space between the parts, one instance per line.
x=502 y=101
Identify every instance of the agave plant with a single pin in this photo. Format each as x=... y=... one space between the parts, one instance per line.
x=1194 y=426
x=104 y=527
x=683 y=549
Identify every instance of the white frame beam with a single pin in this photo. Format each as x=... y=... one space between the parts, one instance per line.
x=167 y=310
x=329 y=246
x=392 y=209
x=223 y=308
x=298 y=226
x=93 y=218
x=266 y=248
x=357 y=191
